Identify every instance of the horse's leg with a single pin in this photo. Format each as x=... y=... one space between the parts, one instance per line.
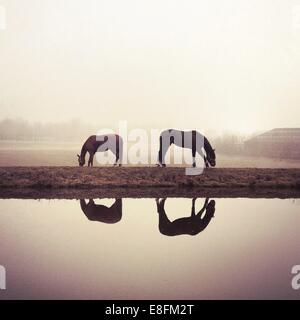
x=119 y=153
x=116 y=162
x=164 y=224
x=199 y=214
x=194 y=148
x=199 y=146
x=194 y=156
x=117 y=158
x=91 y=159
x=162 y=152
x=121 y=146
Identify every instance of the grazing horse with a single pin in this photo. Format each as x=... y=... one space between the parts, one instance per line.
x=100 y=213
x=186 y=139
x=103 y=143
x=192 y=225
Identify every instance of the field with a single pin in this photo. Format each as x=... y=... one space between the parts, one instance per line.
x=54 y=157
x=64 y=154
x=50 y=170
x=76 y=182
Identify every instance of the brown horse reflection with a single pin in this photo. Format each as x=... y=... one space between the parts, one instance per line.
x=185 y=226
x=98 y=212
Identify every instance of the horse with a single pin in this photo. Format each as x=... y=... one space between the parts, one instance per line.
x=192 y=225
x=100 y=213
x=186 y=139
x=102 y=143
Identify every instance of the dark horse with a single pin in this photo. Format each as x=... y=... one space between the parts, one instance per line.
x=103 y=143
x=97 y=212
x=186 y=139
x=189 y=226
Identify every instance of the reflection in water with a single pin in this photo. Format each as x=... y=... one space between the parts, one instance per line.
x=192 y=225
x=60 y=254
x=98 y=212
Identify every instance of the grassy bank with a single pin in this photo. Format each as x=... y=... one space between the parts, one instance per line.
x=146 y=181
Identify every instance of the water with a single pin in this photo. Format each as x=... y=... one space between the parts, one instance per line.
x=50 y=249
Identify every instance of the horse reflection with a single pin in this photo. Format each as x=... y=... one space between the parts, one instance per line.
x=97 y=212
x=192 y=225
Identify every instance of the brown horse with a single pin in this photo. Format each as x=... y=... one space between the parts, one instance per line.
x=97 y=212
x=102 y=143
x=189 y=226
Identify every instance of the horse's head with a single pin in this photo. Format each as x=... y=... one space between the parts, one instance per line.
x=211 y=157
x=211 y=208
x=81 y=161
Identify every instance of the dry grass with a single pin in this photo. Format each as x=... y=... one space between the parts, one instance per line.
x=137 y=177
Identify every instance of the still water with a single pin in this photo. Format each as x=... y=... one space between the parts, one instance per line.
x=149 y=249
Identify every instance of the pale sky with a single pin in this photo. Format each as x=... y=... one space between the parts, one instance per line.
x=218 y=65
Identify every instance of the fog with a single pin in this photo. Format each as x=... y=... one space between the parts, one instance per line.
x=217 y=65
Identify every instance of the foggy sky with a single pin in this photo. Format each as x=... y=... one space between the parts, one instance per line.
x=218 y=65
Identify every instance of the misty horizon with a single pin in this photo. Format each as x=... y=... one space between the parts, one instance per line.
x=15 y=126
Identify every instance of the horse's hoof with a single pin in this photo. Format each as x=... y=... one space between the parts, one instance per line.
x=160 y=165
x=194 y=165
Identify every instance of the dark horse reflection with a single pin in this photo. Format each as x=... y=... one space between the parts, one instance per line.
x=98 y=212
x=190 y=225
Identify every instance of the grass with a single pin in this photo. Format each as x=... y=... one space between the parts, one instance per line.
x=72 y=180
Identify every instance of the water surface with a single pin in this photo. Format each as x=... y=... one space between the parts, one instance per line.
x=71 y=249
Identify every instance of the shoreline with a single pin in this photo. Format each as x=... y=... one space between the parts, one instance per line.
x=147 y=182
x=140 y=193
